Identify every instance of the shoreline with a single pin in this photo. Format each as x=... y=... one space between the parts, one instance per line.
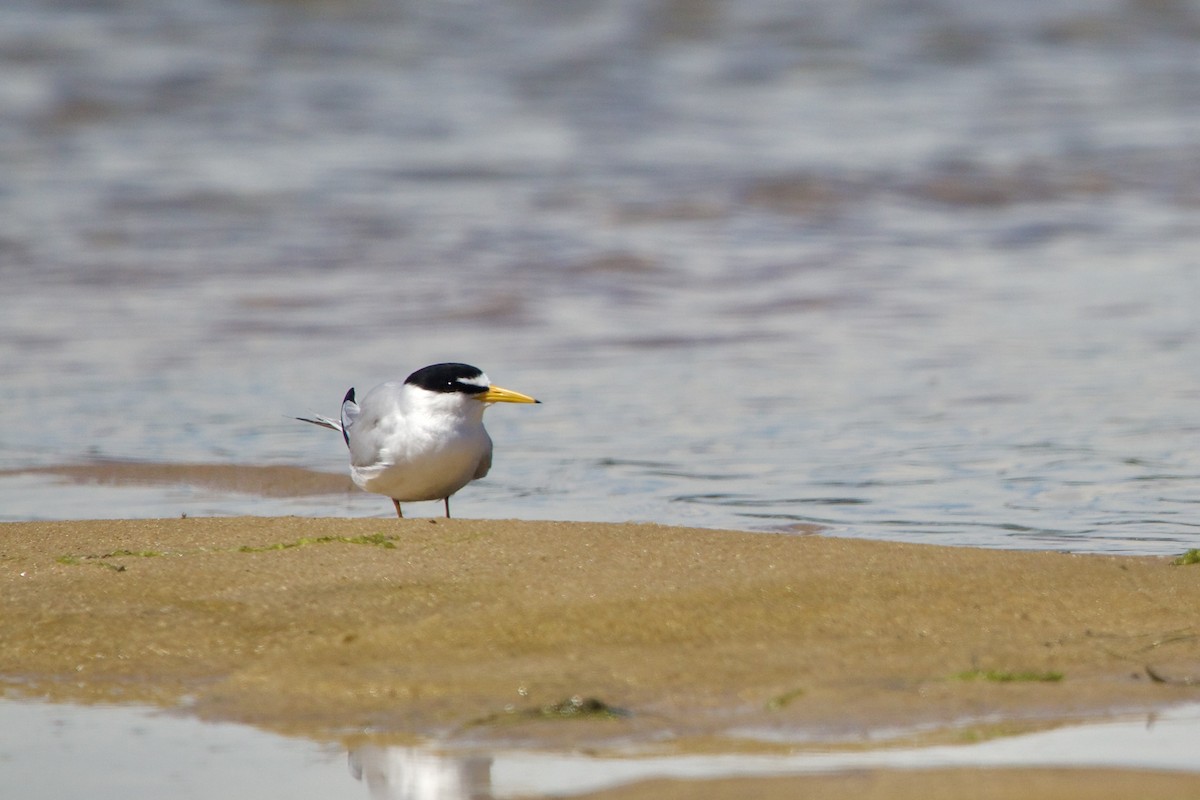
x=262 y=481
x=472 y=635
x=482 y=629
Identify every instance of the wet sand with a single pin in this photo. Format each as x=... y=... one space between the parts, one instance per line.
x=482 y=631
x=265 y=481
x=976 y=784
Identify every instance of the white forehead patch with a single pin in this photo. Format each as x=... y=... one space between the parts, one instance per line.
x=479 y=380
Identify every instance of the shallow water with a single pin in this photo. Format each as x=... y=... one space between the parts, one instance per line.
x=920 y=271
x=123 y=752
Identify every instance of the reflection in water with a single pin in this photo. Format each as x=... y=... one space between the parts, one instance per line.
x=414 y=773
x=1163 y=740
x=131 y=752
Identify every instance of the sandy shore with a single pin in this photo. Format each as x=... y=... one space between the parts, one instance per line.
x=972 y=784
x=483 y=630
x=264 y=481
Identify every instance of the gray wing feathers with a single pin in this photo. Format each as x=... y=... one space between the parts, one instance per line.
x=485 y=463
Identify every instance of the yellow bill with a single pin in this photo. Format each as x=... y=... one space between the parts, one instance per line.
x=495 y=394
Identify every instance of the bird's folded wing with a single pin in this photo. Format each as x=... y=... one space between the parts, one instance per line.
x=485 y=464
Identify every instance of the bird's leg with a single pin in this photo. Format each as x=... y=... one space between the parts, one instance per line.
x=446 y=500
x=396 y=503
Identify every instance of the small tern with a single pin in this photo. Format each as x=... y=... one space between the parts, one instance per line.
x=423 y=438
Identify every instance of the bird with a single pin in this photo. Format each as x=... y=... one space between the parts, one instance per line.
x=421 y=438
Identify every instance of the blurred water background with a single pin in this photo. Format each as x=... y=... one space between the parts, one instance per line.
x=911 y=269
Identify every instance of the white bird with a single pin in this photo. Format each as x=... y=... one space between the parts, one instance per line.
x=423 y=438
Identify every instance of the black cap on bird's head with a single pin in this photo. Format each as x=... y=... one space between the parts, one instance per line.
x=465 y=379
x=450 y=378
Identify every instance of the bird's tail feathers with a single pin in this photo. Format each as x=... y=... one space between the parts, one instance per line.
x=342 y=426
x=324 y=422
